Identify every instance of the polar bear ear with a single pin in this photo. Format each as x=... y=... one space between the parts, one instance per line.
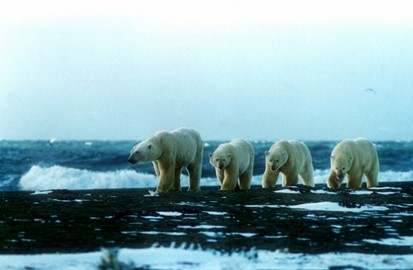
x=267 y=153
x=210 y=155
x=332 y=157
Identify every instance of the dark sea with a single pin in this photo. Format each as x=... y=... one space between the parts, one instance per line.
x=44 y=165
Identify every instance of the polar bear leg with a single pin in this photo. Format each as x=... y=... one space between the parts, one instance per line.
x=166 y=180
x=195 y=170
x=220 y=175
x=177 y=179
x=230 y=181
x=332 y=181
x=194 y=173
x=290 y=180
x=229 y=185
x=308 y=174
x=156 y=168
x=269 y=179
x=371 y=179
x=354 y=180
x=308 y=179
x=245 y=180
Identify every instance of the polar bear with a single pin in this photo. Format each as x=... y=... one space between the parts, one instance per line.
x=355 y=158
x=169 y=153
x=233 y=160
x=291 y=158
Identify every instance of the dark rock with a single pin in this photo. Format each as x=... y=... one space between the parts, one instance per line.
x=235 y=221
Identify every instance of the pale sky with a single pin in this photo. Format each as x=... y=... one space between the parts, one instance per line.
x=309 y=70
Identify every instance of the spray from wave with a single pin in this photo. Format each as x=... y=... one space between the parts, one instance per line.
x=59 y=177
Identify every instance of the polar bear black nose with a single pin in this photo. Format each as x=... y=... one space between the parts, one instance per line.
x=132 y=160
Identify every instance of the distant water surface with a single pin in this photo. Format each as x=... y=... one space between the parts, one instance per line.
x=42 y=165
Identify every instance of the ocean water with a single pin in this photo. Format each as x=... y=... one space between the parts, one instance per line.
x=43 y=165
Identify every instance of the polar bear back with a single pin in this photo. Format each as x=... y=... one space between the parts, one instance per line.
x=169 y=153
x=354 y=158
x=233 y=161
x=362 y=151
x=291 y=158
x=243 y=152
x=184 y=144
x=298 y=153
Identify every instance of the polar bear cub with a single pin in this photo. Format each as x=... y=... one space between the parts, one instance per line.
x=355 y=158
x=169 y=153
x=233 y=160
x=291 y=158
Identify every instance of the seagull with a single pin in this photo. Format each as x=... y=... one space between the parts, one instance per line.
x=52 y=141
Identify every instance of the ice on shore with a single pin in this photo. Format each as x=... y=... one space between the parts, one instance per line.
x=181 y=258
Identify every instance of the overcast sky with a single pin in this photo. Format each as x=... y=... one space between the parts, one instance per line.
x=309 y=70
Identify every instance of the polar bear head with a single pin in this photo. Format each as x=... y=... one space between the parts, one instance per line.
x=220 y=159
x=340 y=165
x=148 y=150
x=276 y=158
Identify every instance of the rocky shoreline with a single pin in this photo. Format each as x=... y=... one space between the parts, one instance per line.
x=296 y=219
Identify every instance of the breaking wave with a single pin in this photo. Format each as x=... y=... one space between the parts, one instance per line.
x=60 y=177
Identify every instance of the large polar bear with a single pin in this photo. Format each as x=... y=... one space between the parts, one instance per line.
x=233 y=160
x=291 y=158
x=355 y=158
x=169 y=153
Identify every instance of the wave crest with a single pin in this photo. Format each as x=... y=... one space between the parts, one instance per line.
x=59 y=177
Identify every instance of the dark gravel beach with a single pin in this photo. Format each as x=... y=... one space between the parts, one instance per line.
x=86 y=220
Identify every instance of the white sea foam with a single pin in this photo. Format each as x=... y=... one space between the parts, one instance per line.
x=170 y=213
x=181 y=258
x=59 y=177
x=205 y=227
x=354 y=192
x=265 y=206
x=162 y=233
x=400 y=241
x=320 y=177
x=369 y=192
x=215 y=213
x=287 y=191
x=44 y=192
x=335 y=207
